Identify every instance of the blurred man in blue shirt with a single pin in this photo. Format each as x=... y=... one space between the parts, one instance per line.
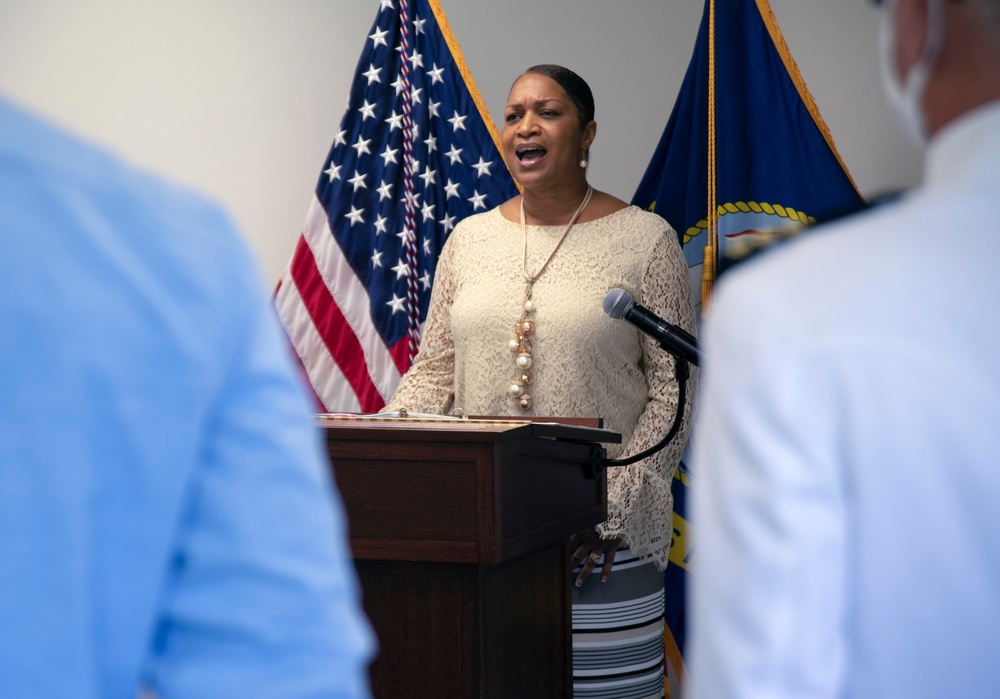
x=167 y=520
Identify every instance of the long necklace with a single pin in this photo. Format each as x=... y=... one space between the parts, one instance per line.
x=520 y=345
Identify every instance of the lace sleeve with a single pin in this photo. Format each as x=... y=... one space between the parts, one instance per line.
x=640 y=504
x=429 y=385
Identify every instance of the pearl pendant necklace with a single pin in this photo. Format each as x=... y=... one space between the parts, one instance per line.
x=524 y=331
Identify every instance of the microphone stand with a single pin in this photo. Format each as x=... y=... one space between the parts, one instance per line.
x=682 y=372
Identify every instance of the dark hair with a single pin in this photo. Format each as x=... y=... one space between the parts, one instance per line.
x=575 y=86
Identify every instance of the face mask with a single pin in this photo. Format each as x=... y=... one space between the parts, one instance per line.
x=906 y=98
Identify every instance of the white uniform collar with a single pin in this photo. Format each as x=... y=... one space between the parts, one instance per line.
x=965 y=145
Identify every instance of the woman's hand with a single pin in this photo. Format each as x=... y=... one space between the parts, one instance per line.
x=588 y=546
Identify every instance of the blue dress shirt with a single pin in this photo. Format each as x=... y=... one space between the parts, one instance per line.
x=167 y=519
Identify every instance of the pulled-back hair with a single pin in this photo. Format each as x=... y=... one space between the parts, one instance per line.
x=575 y=86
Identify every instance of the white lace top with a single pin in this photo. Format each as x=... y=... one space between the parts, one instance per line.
x=585 y=363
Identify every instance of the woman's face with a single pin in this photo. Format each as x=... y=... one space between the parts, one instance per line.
x=542 y=137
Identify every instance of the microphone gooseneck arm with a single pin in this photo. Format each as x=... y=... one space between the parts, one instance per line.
x=681 y=372
x=619 y=304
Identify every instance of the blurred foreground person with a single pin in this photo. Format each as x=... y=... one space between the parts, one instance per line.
x=167 y=522
x=847 y=503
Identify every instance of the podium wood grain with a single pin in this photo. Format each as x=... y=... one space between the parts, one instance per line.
x=458 y=533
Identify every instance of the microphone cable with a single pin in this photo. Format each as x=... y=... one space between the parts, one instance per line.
x=682 y=372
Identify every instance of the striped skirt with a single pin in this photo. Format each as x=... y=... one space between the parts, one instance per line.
x=618 y=631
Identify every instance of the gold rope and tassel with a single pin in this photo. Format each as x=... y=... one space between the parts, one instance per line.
x=707 y=277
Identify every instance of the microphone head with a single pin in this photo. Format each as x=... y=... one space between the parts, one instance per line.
x=617 y=303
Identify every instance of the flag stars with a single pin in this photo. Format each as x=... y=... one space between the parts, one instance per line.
x=429 y=177
x=397 y=304
x=409 y=106
x=379 y=38
x=356 y=215
x=358 y=181
x=454 y=155
x=404 y=236
x=384 y=191
x=373 y=74
x=412 y=200
x=483 y=166
x=448 y=223
x=362 y=146
x=367 y=111
x=458 y=122
x=401 y=270
x=389 y=155
x=477 y=200
x=395 y=121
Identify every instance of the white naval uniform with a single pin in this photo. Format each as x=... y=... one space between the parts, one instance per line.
x=847 y=502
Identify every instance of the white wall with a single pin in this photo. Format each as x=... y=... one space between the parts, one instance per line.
x=241 y=98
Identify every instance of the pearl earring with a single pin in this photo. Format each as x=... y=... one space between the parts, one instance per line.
x=583 y=162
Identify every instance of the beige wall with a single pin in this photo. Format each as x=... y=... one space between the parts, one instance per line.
x=241 y=98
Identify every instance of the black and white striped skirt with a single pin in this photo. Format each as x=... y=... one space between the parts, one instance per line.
x=618 y=631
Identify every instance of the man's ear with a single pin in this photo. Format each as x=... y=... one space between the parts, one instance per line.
x=910 y=20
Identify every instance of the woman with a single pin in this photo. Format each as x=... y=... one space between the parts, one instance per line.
x=516 y=327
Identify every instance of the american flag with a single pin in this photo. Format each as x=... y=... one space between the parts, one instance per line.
x=415 y=153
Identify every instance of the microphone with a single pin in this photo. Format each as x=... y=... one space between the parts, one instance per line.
x=619 y=304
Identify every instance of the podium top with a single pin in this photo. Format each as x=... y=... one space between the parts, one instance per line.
x=432 y=428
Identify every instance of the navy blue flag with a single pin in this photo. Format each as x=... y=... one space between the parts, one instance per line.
x=415 y=153
x=775 y=164
x=744 y=154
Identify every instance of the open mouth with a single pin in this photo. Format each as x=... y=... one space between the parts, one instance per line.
x=529 y=153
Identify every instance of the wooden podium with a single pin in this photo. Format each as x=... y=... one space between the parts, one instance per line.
x=458 y=530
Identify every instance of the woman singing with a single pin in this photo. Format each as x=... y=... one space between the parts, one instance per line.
x=516 y=327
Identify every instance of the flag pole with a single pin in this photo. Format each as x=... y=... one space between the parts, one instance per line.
x=708 y=272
